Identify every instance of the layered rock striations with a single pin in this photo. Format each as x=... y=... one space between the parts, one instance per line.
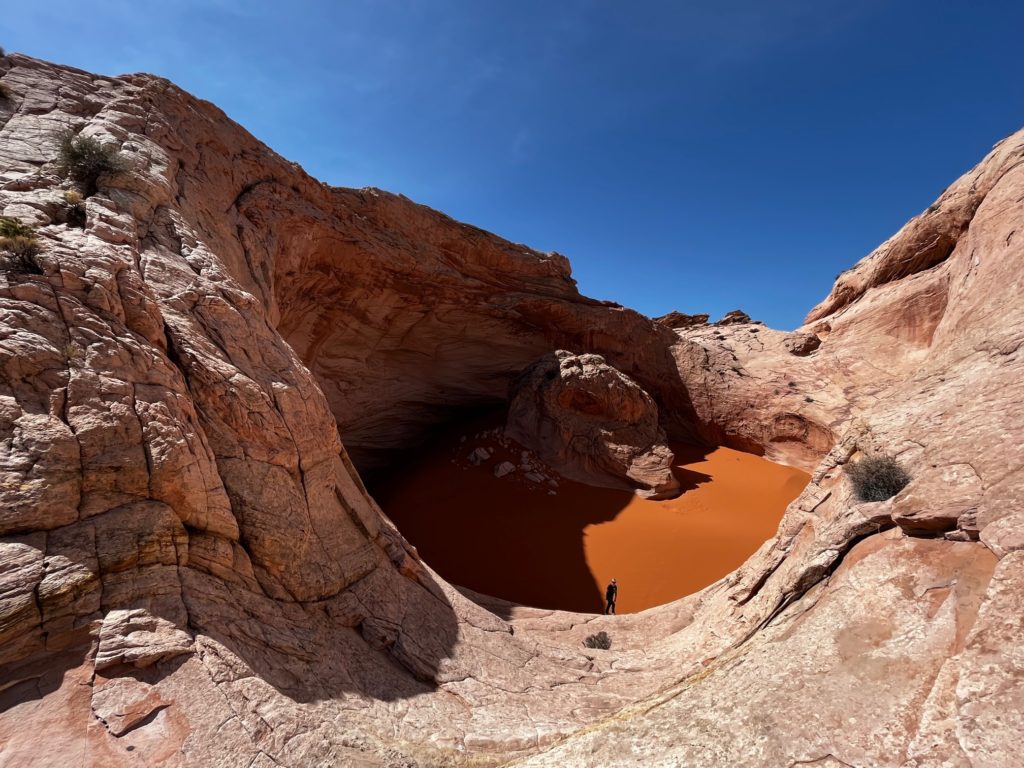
x=191 y=572
x=591 y=423
x=407 y=317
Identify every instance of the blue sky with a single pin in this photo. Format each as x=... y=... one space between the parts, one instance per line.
x=684 y=155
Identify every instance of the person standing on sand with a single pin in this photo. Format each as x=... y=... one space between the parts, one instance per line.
x=610 y=595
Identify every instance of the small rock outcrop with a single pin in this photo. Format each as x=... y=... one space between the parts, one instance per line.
x=737 y=317
x=592 y=423
x=802 y=343
x=676 y=319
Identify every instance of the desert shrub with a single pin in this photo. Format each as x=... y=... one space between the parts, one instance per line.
x=76 y=215
x=600 y=640
x=18 y=247
x=75 y=210
x=73 y=352
x=11 y=227
x=877 y=478
x=18 y=254
x=84 y=160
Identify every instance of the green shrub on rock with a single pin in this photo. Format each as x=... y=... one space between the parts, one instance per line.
x=74 y=210
x=11 y=227
x=83 y=160
x=18 y=247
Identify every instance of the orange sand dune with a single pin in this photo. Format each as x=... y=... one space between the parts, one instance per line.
x=513 y=538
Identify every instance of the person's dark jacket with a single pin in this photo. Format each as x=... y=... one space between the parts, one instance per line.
x=611 y=592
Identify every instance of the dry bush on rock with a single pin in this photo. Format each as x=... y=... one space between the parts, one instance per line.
x=877 y=478
x=18 y=247
x=600 y=640
x=83 y=160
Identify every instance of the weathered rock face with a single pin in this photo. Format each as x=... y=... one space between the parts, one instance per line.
x=922 y=361
x=191 y=572
x=737 y=317
x=802 y=343
x=927 y=240
x=676 y=319
x=406 y=316
x=591 y=423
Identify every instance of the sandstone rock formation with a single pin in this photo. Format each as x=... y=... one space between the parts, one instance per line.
x=591 y=423
x=192 y=574
x=736 y=317
x=802 y=343
x=676 y=319
x=371 y=291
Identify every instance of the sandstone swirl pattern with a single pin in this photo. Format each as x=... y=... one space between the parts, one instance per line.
x=191 y=572
x=592 y=423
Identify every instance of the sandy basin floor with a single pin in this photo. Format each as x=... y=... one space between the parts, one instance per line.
x=551 y=546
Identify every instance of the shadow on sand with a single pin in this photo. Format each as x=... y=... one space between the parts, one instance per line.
x=505 y=538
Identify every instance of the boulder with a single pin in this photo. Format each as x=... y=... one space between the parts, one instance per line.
x=802 y=343
x=505 y=468
x=591 y=423
x=479 y=455
x=135 y=637
x=676 y=319
x=737 y=317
